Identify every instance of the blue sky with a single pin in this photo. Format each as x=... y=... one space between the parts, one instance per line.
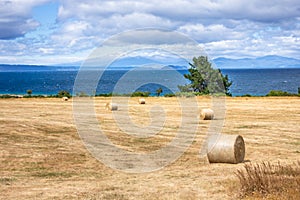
x=66 y=31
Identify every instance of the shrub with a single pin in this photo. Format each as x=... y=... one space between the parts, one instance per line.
x=82 y=94
x=279 y=93
x=34 y=96
x=185 y=94
x=159 y=91
x=246 y=95
x=64 y=93
x=104 y=95
x=29 y=92
x=140 y=94
x=7 y=96
x=169 y=95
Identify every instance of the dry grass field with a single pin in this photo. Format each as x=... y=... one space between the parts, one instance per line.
x=42 y=156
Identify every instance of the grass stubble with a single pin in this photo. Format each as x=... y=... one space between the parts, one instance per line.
x=270 y=181
x=42 y=156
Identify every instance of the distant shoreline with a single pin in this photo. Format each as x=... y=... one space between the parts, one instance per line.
x=270 y=94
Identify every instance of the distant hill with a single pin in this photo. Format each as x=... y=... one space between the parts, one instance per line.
x=21 y=68
x=270 y=61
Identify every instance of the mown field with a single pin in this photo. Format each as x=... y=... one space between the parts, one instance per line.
x=43 y=157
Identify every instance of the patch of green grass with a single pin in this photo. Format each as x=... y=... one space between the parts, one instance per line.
x=47 y=174
x=296 y=143
x=244 y=126
x=250 y=126
x=116 y=196
x=33 y=166
x=38 y=169
x=54 y=130
x=172 y=127
x=6 y=180
x=141 y=140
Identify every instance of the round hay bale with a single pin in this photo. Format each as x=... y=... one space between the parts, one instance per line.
x=227 y=149
x=111 y=106
x=142 y=101
x=65 y=98
x=207 y=114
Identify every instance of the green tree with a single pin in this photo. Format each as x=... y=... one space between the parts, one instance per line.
x=226 y=82
x=205 y=79
x=140 y=94
x=29 y=92
x=159 y=91
x=64 y=93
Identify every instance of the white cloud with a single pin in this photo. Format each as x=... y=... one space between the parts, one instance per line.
x=70 y=33
x=230 y=28
x=208 y=22
x=210 y=33
x=16 y=19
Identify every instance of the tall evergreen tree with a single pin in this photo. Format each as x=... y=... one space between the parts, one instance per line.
x=205 y=79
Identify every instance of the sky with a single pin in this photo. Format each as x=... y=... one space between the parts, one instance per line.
x=66 y=31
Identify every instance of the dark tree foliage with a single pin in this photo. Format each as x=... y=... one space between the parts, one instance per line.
x=205 y=79
x=29 y=92
x=226 y=82
x=64 y=93
x=159 y=91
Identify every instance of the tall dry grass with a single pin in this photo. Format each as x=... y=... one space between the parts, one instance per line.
x=271 y=181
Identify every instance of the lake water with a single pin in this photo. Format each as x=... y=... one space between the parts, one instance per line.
x=245 y=81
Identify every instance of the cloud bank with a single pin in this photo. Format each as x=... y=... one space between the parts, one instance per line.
x=228 y=28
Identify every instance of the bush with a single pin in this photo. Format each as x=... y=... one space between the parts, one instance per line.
x=159 y=91
x=185 y=94
x=29 y=92
x=104 y=95
x=82 y=94
x=279 y=93
x=169 y=95
x=64 y=93
x=246 y=95
x=34 y=96
x=140 y=94
x=8 y=96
